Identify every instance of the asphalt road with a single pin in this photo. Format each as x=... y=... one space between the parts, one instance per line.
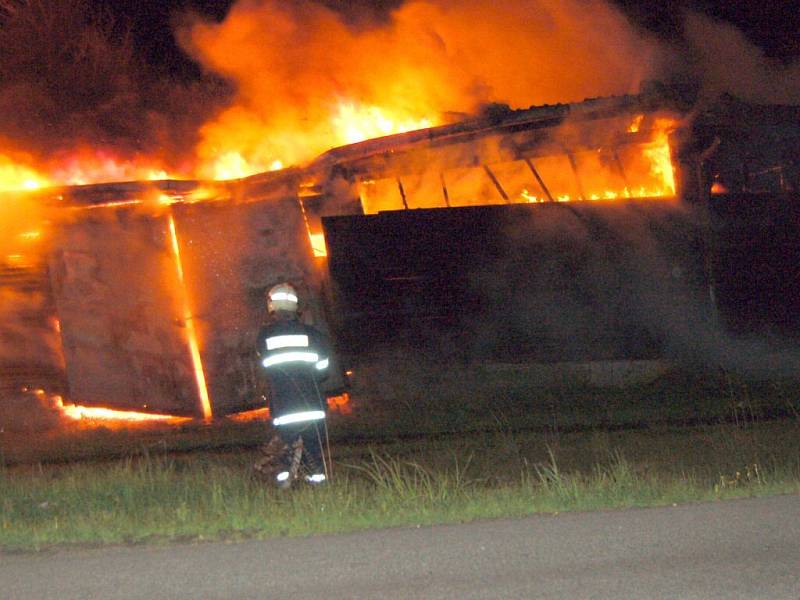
x=727 y=550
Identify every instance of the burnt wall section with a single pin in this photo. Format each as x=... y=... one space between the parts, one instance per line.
x=116 y=289
x=30 y=353
x=749 y=149
x=126 y=314
x=757 y=262
x=233 y=253
x=543 y=282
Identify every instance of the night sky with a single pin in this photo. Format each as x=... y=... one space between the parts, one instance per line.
x=773 y=26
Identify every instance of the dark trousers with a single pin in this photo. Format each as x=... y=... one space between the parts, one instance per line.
x=312 y=435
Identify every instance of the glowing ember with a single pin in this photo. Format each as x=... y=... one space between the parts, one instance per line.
x=340 y=404
x=635 y=124
x=78 y=412
x=337 y=404
x=16 y=259
x=113 y=204
x=718 y=188
x=258 y=414
x=188 y=320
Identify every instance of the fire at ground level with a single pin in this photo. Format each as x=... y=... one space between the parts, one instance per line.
x=614 y=228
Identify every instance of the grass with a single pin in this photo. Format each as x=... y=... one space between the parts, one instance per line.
x=412 y=398
x=156 y=498
x=75 y=442
x=407 y=395
x=422 y=447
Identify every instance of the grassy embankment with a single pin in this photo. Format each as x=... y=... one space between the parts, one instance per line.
x=499 y=471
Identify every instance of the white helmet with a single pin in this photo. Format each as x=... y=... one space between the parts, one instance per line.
x=282 y=297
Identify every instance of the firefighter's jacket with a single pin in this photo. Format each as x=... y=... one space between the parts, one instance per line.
x=295 y=357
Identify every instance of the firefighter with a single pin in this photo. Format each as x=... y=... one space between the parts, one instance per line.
x=295 y=357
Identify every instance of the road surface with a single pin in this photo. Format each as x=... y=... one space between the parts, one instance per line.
x=727 y=550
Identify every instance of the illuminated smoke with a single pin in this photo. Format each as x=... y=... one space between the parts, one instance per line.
x=720 y=59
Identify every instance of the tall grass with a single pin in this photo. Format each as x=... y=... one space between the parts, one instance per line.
x=156 y=498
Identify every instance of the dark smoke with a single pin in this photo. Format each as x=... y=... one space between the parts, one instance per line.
x=710 y=57
x=26 y=413
x=584 y=283
x=70 y=77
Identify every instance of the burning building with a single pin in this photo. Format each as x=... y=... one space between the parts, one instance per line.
x=619 y=227
x=604 y=231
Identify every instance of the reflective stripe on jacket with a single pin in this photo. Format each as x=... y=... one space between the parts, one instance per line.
x=295 y=357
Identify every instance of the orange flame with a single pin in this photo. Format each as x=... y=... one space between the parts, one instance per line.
x=77 y=412
x=718 y=188
x=336 y=404
x=188 y=319
x=257 y=414
x=15 y=176
x=85 y=166
x=307 y=80
x=340 y=404
x=658 y=153
x=635 y=124
x=638 y=166
x=355 y=123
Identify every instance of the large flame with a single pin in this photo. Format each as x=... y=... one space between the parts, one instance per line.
x=307 y=80
x=353 y=123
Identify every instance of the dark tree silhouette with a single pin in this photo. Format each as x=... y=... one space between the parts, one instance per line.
x=70 y=77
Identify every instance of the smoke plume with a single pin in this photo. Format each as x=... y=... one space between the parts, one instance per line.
x=720 y=59
x=72 y=85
